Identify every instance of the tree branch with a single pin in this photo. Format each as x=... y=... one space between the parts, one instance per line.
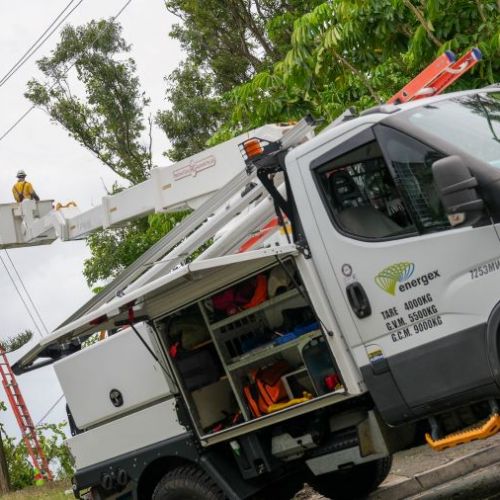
x=359 y=73
x=256 y=31
x=150 y=148
x=481 y=10
x=421 y=19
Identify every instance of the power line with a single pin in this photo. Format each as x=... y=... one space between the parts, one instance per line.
x=39 y=42
x=17 y=122
x=21 y=296
x=33 y=305
x=29 y=110
x=49 y=411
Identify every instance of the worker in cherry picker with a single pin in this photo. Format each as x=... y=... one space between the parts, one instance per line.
x=22 y=189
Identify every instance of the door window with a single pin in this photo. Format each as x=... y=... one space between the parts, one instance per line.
x=411 y=162
x=362 y=196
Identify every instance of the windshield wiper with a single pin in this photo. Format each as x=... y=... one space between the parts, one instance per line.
x=488 y=117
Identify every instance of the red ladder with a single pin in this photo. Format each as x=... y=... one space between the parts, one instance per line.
x=439 y=75
x=23 y=417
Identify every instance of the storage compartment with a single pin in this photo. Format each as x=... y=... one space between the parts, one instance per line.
x=249 y=350
x=213 y=403
x=199 y=368
x=119 y=364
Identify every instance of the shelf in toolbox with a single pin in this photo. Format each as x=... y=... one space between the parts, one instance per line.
x=270 y=350
x=331 y=398
x=270 y=302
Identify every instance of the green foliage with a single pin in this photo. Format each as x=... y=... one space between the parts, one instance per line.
x=113 y=250
x=196 y=111
x=52 y=438
x=356 y=53
x=226 y=44
x=228 y=37
x=109 y=120
x=18 y=465
x=12 y=343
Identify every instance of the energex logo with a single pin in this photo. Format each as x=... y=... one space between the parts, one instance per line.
x=389 y=277
x=398 y=275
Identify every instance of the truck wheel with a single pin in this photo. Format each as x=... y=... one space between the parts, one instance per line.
x=187 y=483
x=352 y=483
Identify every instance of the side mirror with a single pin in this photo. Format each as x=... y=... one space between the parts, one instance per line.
x=457 y=190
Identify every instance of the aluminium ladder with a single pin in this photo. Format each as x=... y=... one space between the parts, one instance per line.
x=23 y=417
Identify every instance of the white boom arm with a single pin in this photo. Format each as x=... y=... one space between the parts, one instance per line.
x=185 y=184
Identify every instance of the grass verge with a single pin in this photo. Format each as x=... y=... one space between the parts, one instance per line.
x=50 y=491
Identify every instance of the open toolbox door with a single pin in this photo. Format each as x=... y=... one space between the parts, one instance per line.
x=157 y=298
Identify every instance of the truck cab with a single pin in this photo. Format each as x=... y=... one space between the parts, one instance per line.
x=400 y=211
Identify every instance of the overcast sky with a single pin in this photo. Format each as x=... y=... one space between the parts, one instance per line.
x=59 y=168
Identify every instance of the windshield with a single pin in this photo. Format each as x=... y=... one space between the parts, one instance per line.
x=470 y=122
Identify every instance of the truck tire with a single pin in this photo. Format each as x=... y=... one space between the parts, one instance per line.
x=187 y=483
x=352 y=483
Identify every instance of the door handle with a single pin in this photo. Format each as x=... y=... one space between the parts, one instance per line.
x=358 y=299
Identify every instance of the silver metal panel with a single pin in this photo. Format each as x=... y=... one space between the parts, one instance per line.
x=26 y=224
x=127 y=434
x=120 y=362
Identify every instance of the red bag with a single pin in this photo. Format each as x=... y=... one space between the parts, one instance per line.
x=249 y=293
x=224 y=302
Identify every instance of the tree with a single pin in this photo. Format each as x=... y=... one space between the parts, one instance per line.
x=196 y=110
x=52 y=439
x=114 y=249
x=226 y=44
x=109 y=119
x=355 y=53
x=228 y=37
x=10 y=344
x=5 y=480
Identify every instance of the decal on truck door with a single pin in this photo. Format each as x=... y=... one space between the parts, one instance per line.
x=420 y=315
x=389 y=277
x=489 y=267
x=416 y=315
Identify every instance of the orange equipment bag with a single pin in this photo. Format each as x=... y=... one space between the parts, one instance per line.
x=260 y=293
x=266 y=388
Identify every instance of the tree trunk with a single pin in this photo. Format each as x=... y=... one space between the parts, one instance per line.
x=4 y=472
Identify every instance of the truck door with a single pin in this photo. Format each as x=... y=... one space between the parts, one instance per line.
x=403 y=277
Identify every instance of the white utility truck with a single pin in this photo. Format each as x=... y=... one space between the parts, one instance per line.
x=226 y=372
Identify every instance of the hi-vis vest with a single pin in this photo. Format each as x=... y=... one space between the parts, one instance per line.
x=22 y=190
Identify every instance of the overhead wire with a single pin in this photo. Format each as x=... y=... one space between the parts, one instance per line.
x=13 y=281
x=39 y=41
x=21 y=118
x=33 y=305
x=49 y=411
x=30 y=109
x=17 y=122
